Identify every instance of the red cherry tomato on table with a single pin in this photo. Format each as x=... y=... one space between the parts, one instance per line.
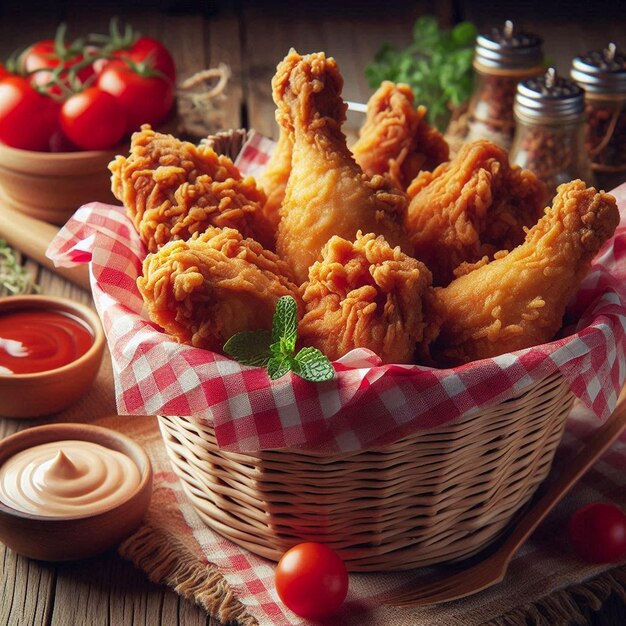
x=145 y=99
x=27 y=119
x=4 y=72
x=597 y=532
x=311 y=579
x=93 y=119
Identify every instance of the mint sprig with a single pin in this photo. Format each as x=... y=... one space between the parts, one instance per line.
x=276 y=349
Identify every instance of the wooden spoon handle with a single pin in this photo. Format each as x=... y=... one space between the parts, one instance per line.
x=32 y=237
x=599 y=442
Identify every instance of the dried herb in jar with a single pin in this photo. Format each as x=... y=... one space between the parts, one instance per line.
x=602 y=74
x=549 y=136
x=502 y=58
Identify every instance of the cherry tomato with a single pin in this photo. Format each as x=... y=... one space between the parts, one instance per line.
x=153 y=52
x=27 y=118
x=597 y=532
x=145 y=99
x=311 y=579
x=93 y=119
x=44 y=55
x=4 y=72
x=147 y=52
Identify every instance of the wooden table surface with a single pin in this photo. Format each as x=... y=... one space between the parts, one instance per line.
x=251 y=38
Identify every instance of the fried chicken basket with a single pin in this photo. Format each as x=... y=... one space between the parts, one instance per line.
x=395 y=467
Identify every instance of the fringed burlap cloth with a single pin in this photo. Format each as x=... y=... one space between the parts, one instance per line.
x=546 y=583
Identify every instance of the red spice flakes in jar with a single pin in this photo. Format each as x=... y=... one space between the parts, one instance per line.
x=549 y=135
x=502 y=58
x=602 y=74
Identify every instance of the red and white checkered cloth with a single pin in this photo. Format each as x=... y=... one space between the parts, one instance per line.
x=367 y=404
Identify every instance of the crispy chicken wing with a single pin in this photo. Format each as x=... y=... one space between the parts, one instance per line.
x=471 y=207
x=327 y=193
x=518 y=300
x=172 y=189
x=204 y=290
x=365 y=294
x=396 y=139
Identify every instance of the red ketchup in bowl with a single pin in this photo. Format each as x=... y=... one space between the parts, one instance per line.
x=36 y=340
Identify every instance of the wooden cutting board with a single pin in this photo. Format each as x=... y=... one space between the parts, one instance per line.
x=32 y=237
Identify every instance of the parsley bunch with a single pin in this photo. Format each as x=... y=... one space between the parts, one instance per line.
x=437 y=65
x=275 y=349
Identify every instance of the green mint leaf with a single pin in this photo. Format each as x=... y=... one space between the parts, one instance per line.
x=285 y=324
x=278 y=366
x=250 y=347
x=312 y=365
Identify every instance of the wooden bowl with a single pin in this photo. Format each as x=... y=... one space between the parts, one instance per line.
x=45 y=393
x=51 y=186
x=77 y=537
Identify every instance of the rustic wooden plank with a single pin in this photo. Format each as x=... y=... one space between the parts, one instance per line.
x=28 y=591
x=224 y=39
x=106 y=590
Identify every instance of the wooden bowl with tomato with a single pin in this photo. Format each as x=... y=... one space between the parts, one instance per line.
x=67 y=109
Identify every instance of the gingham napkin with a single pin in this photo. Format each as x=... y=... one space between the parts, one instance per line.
x=367 y=404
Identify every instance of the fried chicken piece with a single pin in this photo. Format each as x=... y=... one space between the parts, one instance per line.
x=273 y=179
x=519 y=299
x=204 y=290
x=396 y=139
x=471 y=207
x=327 y=193
x=365 y=294
x=172 y=189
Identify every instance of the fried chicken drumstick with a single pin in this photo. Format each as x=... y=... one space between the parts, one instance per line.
x=396 y=139
x=327 y=193
x=365 y=294
x=519 y=299
x=471 y=207
x=172 y=189
x=205 y=290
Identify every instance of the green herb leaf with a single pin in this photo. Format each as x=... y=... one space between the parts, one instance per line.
x=276 y=349
x=437 y=65
x=278 y=366
x=285 y=324
x=250 y=347
x=313 y=365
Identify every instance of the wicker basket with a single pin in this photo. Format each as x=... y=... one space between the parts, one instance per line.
x=439 y=495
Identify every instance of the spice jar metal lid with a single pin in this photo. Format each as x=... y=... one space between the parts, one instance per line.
x=505 y=48
x=601 y=70
x=549 y=98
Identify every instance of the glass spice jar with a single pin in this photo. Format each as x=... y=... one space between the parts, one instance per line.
x=549 y=134
x=602 y=74
x=502 y=58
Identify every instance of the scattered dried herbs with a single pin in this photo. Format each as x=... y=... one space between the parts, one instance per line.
x=14 y=277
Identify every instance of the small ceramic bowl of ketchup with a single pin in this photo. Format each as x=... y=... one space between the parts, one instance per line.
x=50 y=353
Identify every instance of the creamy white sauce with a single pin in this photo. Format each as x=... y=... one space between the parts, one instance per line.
x=67 y=478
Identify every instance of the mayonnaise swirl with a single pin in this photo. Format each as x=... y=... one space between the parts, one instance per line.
x=67 y=479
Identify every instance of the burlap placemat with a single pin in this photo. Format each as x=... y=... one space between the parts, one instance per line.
x=546 y=584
